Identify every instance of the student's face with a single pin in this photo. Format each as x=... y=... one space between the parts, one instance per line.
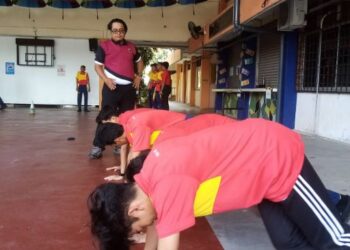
x=82 y=69
x=118 y=32
x=121 y=140
x=145 y=218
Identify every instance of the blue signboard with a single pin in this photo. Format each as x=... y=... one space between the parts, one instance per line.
x=10 y=68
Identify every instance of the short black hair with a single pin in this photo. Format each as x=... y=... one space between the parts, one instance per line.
x=106 y=133
x=165 y=64
x=135 y=165
x=106 y=113
x=108 y=206
x=82 y=66
x=117 y=20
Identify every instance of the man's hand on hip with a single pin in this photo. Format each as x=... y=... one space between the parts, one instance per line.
x=110 y=84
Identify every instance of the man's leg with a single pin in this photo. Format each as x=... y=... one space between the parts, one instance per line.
x=165 y=97
x=85 y=99
x=79 y=98
x=127 y=97
x=109 y=97
x=311 y=209
x=157 y=101
x=150 y=98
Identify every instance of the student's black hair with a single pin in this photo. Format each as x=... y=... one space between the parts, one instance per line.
x=106 y=113
x=108 y=206
x=135 y=166
x=165 y=64
x=117 y=20
x=83 y=66
x=108 y=132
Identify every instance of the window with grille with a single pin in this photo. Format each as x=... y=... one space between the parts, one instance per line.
x=324 y=55
x=35 y=52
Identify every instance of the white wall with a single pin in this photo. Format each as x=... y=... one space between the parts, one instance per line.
x=329 y=118
x=43 y=85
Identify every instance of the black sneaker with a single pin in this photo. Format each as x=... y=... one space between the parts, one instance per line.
x=116 y=150
x=343 y=207
x=79 y=110
x=86 y=110
x=95 y=153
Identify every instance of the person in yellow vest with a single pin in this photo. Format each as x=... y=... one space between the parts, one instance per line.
x=153 y=81
x=83 y=87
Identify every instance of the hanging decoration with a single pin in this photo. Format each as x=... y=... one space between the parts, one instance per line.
x=5 y=3
x=193 y=2
x=160 y=3
x=96 y=4
x=129 y=4
x=63 y=4
x=30 y=4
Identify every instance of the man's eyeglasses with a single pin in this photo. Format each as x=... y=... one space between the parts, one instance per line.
x=116 y=31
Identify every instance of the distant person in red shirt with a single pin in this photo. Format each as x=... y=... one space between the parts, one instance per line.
x=222 y=168
x=165 y=86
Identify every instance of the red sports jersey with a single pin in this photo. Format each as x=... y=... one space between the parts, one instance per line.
x=221 y=168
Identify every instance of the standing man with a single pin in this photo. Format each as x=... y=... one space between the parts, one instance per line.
x=165 y=86
x=115 y=63
x=83 y=87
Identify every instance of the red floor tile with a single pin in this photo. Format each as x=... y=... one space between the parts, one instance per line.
x=45 y=180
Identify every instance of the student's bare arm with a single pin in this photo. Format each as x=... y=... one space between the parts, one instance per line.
x=124 y=149
x=169 y=243
x=151 y=238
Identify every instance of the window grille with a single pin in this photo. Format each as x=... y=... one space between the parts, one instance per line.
x=35 y=52
x=324 y=57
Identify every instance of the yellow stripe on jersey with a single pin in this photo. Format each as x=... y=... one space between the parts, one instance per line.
x=154 y=137
x=206 y=196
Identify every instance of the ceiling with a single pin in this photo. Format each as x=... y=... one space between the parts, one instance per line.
x=146 y=25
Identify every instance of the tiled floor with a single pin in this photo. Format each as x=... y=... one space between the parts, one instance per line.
x=45 y=180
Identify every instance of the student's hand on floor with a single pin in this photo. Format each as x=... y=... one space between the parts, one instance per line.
x=113 y=178
x=114 y=168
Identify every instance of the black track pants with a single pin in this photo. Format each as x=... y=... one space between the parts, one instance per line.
x=307 y=219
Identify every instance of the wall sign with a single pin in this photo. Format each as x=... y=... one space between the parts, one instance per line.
x=10 y=68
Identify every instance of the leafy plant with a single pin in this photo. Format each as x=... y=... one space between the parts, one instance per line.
x=147 y=55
